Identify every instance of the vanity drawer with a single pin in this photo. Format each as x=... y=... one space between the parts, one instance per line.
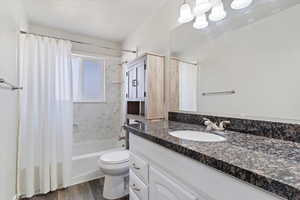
x=140 y=167
x=138 y=187
x=132 y=195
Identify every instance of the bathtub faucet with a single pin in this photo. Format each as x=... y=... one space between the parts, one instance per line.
x=121 y=138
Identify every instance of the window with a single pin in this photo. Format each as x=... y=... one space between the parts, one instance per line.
x=88 y=79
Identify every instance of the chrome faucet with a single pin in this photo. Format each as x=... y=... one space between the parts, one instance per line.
x=213 y=126
x=121 y=138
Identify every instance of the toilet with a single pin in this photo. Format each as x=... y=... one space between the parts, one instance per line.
x=115 y=166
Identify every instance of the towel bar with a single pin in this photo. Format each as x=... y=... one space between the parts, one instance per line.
x=219 y=93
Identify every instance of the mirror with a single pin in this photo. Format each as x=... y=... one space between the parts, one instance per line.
x=247 y=65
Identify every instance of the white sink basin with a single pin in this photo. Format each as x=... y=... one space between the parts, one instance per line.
x=197 y=136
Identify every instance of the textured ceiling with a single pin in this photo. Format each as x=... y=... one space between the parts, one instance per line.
x=107 y=19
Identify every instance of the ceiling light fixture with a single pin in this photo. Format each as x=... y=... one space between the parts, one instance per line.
x=200 y=22
x=202 y=6
x=240 y=4
x=217 y=13
x=185 y=13
x=215 y=2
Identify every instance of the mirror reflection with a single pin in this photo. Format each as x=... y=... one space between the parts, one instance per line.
x=246 y=65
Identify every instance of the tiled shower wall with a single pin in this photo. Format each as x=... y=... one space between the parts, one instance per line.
x=100 y=121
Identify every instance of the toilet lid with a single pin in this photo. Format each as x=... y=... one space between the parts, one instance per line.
x=115 y=157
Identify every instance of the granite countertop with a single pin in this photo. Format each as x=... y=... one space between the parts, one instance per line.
x=271 y=164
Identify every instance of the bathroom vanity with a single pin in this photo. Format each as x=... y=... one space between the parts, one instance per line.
x=246 y=73
x=244 y=166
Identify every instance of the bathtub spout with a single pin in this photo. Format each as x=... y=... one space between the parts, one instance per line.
x=121 y=138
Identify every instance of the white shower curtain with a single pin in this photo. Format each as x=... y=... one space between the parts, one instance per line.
x=46 y=115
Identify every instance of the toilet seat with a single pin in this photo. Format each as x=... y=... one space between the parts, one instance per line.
x=115 y=157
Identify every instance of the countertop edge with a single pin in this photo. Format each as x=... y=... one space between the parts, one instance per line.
x=270 y=185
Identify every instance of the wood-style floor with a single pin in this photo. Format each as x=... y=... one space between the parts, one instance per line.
x=86 y=191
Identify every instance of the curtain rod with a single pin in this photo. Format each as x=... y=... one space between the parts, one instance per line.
x=78 y=42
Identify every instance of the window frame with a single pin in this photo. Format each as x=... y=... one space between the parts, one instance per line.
x=96 y=59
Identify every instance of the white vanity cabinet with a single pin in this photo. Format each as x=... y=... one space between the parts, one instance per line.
x=132 y=195
x=138 y=177
x=158 y=187
x=138 y=186
x=167 y=175
x=162 y=187
x=139 y=167
x=148 y=182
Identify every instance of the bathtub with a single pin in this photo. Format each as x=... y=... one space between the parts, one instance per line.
x=85 y=157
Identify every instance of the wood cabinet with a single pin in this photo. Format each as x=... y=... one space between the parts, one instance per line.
x=145 y=87
x=173 y=85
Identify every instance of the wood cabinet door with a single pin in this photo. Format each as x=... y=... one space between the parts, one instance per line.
x=162 y=187
x=132 y=83
x=155 y=87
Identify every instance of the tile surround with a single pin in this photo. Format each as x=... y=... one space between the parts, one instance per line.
x=98 y=121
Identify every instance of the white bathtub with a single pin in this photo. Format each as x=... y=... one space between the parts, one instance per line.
x=85 y=157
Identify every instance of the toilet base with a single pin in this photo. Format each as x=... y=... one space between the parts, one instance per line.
x=115 y=186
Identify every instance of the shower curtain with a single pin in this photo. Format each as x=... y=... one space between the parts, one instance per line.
x=46 y=115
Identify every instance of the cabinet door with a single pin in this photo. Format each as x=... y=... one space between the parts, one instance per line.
x=132 y=84
x=163 y=188
x=137 y=186
x=140 y=167
x=132 y=195
x=155 y=87
x=140 y=80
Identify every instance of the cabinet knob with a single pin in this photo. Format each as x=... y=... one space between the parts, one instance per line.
x=134 y=83
x=135 y=167
x=135 y=188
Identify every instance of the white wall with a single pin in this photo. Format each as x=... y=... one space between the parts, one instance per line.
x=11 y=18
x=154 y=36
x=261 y=62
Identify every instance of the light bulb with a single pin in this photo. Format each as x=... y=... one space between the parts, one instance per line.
x=217 y=13
x=240 y=4
x=200 y=22
x=202 y=6
x=215 y=2
x=185 y=14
